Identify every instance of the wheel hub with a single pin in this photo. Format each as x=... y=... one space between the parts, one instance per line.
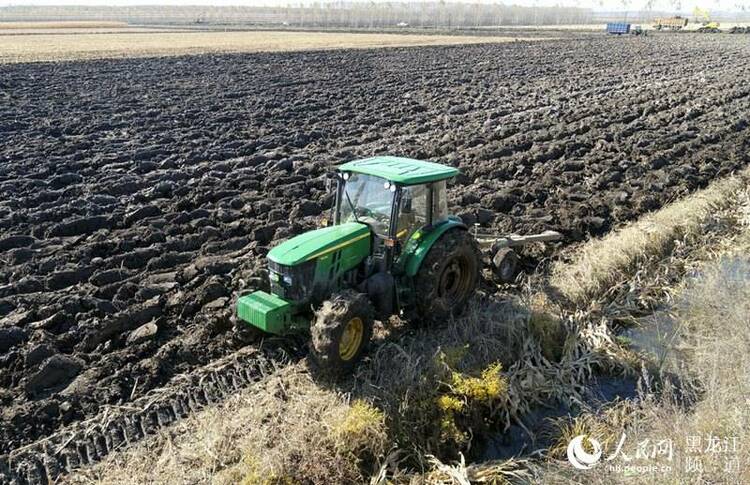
x=454 y=281
x=351 y=339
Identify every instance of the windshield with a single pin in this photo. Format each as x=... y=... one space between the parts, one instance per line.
x=367 y=199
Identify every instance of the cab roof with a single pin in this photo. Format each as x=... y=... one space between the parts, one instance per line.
x=406 y=171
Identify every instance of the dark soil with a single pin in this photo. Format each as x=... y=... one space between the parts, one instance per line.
x=137 y=197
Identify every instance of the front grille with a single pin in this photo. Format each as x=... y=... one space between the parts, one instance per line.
x=302 y=276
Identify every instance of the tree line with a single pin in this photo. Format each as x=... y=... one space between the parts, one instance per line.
x=363 y=14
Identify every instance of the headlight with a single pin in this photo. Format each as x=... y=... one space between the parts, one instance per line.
x=287 y=279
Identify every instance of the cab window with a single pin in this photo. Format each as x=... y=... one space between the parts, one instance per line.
x=367 y=199
x=412 y=211
x=439 y=201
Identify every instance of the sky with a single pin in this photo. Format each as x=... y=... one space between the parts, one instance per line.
x=633 y=5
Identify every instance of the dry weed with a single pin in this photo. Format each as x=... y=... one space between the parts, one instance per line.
x=495 y=472
x=704 y=380
x=288 y=430
x=600 y=264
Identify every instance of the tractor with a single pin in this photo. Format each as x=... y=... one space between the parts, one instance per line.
x=392 y=249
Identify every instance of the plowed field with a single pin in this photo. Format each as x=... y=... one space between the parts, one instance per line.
x=137 y=196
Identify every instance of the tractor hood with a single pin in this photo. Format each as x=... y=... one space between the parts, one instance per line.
x=317 y=243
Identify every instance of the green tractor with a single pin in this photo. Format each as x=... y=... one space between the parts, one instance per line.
x=393 y=248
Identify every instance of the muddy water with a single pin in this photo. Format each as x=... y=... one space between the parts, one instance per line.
x=519 y=442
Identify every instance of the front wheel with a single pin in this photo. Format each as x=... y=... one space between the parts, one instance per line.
x=341 y=331
x=448 y=276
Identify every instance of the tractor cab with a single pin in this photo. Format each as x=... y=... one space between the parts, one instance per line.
x=395 y=197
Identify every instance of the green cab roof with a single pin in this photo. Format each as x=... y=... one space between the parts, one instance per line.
x=406 y=171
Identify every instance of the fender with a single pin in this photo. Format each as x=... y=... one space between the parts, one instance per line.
x=421 y=241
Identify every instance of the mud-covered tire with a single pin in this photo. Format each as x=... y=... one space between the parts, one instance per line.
x=448 y=276
x=332 y=351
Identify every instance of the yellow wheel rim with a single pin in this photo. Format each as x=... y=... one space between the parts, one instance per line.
x=351 y=339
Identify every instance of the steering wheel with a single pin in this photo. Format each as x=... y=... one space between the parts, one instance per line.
x=365 y=212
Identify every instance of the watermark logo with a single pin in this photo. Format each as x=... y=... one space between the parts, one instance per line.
x=650 y=456
x=579 y=457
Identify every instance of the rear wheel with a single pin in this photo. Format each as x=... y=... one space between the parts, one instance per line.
x=448 y=276
x=341 y=331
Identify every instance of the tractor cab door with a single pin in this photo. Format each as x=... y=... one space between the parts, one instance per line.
x=421 y=205
x=412 y=212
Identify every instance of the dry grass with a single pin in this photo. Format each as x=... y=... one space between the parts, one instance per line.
x=702 y=400
x=606 y=426
x=5 y=34
x=496 y=472
x=30 y=48
x=285 y=431
x=445 y=388
x=603 y=263
x=63 y=24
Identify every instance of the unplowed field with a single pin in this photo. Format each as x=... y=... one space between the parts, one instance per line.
x=137 y=196
x=72 y=44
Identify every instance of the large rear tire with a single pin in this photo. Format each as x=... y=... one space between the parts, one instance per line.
x=448 y=276
x=341 y=331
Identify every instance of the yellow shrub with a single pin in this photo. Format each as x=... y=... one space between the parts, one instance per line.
x=464 y=404
x=450 y=403
x=449 y=431
x=448 y=407
x=490 y=386
x=361 y=428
